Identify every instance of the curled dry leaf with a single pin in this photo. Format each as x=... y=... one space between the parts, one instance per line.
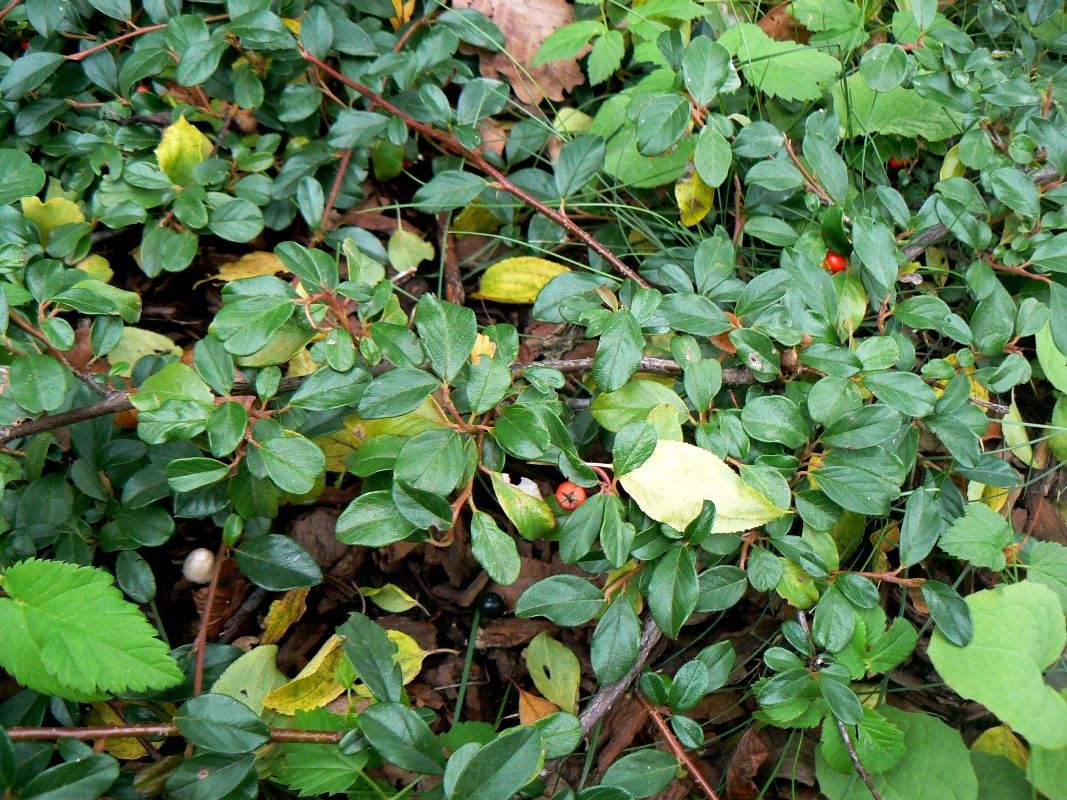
x=525 y=24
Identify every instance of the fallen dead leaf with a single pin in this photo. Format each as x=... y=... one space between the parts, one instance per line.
x=533 y=707
x=525 y=24
x=779 y=24
x=747 y=758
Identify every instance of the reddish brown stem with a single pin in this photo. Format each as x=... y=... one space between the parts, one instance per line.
x=677 y=749
x=450 y=142
x=200 y=644
x=80 y=56
x=335 y=187
x=1020 y=271
x=8 y=8
x=814 y=184
x=885 y=577
x=292 y=735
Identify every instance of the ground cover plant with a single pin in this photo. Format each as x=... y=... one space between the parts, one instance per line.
x=596 y=400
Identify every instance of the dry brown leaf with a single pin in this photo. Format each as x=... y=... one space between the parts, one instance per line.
x=751 y=753
x=525 y=24
x=779 y=24
x=533 y=707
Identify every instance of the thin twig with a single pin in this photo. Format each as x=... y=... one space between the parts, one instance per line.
x=8 y=8
x=603 y=701
x=226 y=120
x=659 y=366
x=450 y=142
x=676 y=748
x=83 y=54
x=112 y=405
x=38 y=734
x=200 y=645
x=335 y=187
x=86 y=377
x=860 y=769
x=810 y=178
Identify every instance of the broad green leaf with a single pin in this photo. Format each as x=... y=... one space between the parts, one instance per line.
x=785 y=70
x=672 y=590
x=565 y=599
x=862 y=111
x=1046 y=562
x=979 y=536
x=672 y=485
x=448 y=334
x=373 y=655
x=221 y=724
x=1018 y=632
x=496 y=770
x=616 y=642
x=632 y=403
x=642 y=774
x=38 y=383
x=935 y=765
x=402 y=737
x=531 y=516
x=494 y=549
x=618 y=352
x=706 y=68
x=397 y=392
x=19 y=176
x=1053 y=361
x=293 y=462
x=76 y=655
x=277 y=563
x=313 y=769
x=578 y=161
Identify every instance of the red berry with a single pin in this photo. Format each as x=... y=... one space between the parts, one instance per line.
x=142 y=88
x=897 y=163
x=570 y=496
x=835 y=262
x=24 y=44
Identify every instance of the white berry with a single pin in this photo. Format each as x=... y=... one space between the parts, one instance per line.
x=199 y=565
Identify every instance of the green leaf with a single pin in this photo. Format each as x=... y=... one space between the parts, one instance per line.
x=312 y=769
x=373 y=520
x=605 y=57
x=555 y=671
x=188 y=474
x=642 y=774
x=1018 y=632
x=979 y=536
x=949 y=611
x=706 y=68
x=448 y=190
x=618 y=352
x=921 y=527
x=293 y=462
x=565 y=41
x=448 y=334
x=712 y=157
x=579 y=160
x=931 y=748
x=52 y=644
x=565 y=599
x=277 y=563
x=632 y=403
x=720 y=587
x=210 y=776
x=884 y=67
x=1046 y=562
x=401 y=737
x=672 y=590
x=221 y=724
x=616 y=642
x=1016 y=190
x=397 y=392
x=784 y=70
x=494 y=549
x=38 y=383
x=774 y=418
x=878 y=742
x=83 y=778
x=19 y=176
x=496 y=770
x=373 y=656
x=661 y=123
x=862 y=111
x=632 y=447
x=27 y=72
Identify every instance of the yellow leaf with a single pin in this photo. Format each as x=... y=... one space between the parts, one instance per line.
x=389 y=597
x=250 y=265
x=1000 y=741
x=314 y=686
x=517 y=280
x=293 y=25
x=408 y=250
x=283 y=612
x=252 y=677
x=357 y=430
x=127 y=749
x=796 y=586
x=137 y=342
x=475 y=218
x=672 y=485
x=664 y=420
x=49 y=216
x=182 y=147
x=483 y=346
x=533 y=707
x=571 y=121
x=97 y=267
x=408 y=655
x=951 y=166
x=1014 y=428
x=695 y=199
x=404 y=9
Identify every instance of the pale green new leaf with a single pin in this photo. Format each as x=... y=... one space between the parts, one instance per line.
x=1018 y=631
x=1046 y=562
x=786 y=70
x=672 y=485
x=111 y=650
x=979 y=536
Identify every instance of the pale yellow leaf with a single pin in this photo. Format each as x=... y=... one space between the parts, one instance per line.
x=1000 y=741
x=555 y=671
x=250 y=265
x=517 y=280
x=126 y=749
x=137 y=342
x=389 y=597
x=182 y=147
x=475 y=218
x=695 y=199
x=49 y=216
x=951 y=166
x=530 y=515
x=1014 y=427
x=97 y=267
x=282 y=613
x=251 y=677
x=408 y=250
x=314 y=686
x=672 y=485
x=337 y=445
x=483 y=346
x=571 y=121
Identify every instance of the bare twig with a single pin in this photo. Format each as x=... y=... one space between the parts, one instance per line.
x=449 y=142
x=860 y=769
x=200 y=645
x=677 y=750
x=603 y=700
x=43 y=734
x=335 y=187
x=8 y=8
x=661 y=366
x=112 y=405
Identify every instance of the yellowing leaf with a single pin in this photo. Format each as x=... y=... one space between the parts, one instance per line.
x=250 y=265
x=137 y=342
x=483 y=346
x=1014 y=428
x=672 y=485
x=571 y=121
x=97 y=267
x=404 y=9
x=408 y=655
x=1000 y=741
x=336 y=446
x=49 y=216
x=797 y=586
x=555 y=671
x=182 y=147
x=293 y=25
x=283 y=612
x=389 y=597
x=694 y=198
x=475 y=218
x=103 y=714
x=251 y=677
x=533 y=707
x=951 y=166
x=408 y=250
x=531 y=516
x=517 y=280
x=314 y=686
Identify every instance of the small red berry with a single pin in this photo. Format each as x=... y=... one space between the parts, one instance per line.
x=897 y=163
x=143 y=88
x=835 y=262
x=570 y=496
